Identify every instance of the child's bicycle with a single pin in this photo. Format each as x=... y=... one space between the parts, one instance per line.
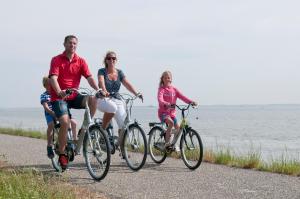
x=133 y=145
x=94 y=140
x=191 y=147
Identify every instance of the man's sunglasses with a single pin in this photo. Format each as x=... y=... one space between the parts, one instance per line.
x=111 y=58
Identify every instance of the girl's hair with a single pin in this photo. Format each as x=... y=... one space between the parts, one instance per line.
x=106 y=55
x=45 y=81
x=161 y=82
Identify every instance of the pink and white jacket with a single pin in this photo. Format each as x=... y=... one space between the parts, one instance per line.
x=166 y=96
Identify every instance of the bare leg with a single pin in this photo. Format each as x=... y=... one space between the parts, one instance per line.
x=170 y=124
x=62 y=135
x=50 y=133
x=121 y=135
x=73 y=127
x=93 y=105
x=106 y=119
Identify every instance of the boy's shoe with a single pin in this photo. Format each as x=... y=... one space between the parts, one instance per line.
x=50 y=152
x=63 y=160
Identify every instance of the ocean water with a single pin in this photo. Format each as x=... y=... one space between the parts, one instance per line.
x=272 y=130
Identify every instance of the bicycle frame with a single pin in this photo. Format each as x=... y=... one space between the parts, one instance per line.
x=128 y=102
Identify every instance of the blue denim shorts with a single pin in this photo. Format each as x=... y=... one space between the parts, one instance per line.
x=49 y=118
x=61 y=107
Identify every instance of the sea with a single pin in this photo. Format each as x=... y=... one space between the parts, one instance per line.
x=273 y=131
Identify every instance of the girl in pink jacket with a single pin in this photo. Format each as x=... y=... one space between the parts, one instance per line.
x=167 y=96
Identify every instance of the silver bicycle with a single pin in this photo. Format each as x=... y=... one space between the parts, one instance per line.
x=133 y=145
x=93 y=139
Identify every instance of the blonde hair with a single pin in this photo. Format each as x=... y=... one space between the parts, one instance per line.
x=161 y=82
x=45 y=81
x=106 y=55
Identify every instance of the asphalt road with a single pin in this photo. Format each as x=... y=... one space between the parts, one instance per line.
x=168 y=180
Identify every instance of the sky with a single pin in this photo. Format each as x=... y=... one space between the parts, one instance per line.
x=220 y=52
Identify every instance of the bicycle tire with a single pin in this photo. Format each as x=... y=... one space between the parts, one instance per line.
x=157 y=145
x=134 y=147
x=96 y=155
x=191 y=154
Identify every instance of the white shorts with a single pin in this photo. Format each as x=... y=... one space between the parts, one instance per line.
x=112 y=105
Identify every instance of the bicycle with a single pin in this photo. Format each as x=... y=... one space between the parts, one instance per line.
x=191 y=147
x=133 y=142
x=96 y=155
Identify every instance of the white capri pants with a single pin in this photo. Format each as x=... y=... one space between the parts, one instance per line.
x=113 y=105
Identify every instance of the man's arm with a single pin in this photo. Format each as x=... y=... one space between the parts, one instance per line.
x=56 y=87
x=92 y=83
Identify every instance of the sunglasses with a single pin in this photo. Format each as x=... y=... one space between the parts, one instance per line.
x=111 y=58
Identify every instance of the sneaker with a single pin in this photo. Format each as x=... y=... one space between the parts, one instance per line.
x=123 y=156
x=177 y=149
x=63 y=160
x=50 y=152
x=168 y=146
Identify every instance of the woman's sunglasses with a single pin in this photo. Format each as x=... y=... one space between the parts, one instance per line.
x=111 y=58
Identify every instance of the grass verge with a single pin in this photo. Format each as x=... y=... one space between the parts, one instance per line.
x=252 y=160
x=25 y=133
x=29 y=183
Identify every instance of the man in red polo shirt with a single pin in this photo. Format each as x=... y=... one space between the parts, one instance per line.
x=65 y=73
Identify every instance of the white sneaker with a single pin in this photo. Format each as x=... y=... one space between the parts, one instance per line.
x=177 y=149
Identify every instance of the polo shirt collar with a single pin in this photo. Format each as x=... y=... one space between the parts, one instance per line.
x=74 y=58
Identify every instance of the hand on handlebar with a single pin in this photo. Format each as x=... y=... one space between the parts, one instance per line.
x=101 y=93
x=170 y=105
x=140 y=95
x=65 y=93
x=194 y=104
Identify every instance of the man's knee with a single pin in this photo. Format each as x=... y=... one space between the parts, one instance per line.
x=64 y=121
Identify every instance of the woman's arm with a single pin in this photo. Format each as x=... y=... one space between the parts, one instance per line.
x=129 y=87
x=101 y=84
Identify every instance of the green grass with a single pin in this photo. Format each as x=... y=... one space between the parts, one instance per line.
x=252 y=160
x=25 y=133
x=32 y=184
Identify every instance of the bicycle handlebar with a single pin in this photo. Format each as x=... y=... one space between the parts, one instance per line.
x=183 y=107
x=81 y=91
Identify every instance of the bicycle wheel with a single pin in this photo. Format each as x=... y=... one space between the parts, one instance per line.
x=96 y=152
x=54 y=160
x=191 y=149
x=157 y=145
x=134 y=146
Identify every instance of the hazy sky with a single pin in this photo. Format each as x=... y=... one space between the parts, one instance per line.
x=220 y=52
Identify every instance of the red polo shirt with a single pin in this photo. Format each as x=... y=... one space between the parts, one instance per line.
x=68 y=72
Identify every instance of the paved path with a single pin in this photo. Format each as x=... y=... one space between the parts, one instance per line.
x=168 y=180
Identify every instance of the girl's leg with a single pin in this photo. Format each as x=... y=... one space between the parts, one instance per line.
x=170 y=124
x=177 y=129
x=50 y=133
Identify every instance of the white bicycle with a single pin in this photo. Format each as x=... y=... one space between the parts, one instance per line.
x=133 y=143
x=93 y=139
